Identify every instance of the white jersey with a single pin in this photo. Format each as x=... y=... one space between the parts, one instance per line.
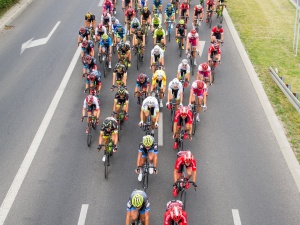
x=113 y=26
x=95 y=102
x=194 y=86
x=103 y=30
x=200 y=69
x=161 y=52
x=189 y=36
x=187 y=69
x=147 y=101
x=171 y=87
x=108 y=17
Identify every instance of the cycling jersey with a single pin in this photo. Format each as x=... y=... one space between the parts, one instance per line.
x=121 y=100
x=184 y=6
x=91 y=19
x=210 y=3
x=178 y=119
x=197 y=11
x=145 y=206
x=156 y=22
x=88 y=48
x=105 y=20
x=114 y=127
x=107 y=6
x=196 y=91
x=106 y=43
x=101 y=32
x=127 y=2
x=212 y=49
x=193 y=39
x=160 y=53
x=97 y=77
x=154 y=109
x=202 y=72
x=135 y=24
x=145 y=84
x=92 y=66
x=129 y=14
x=176 y=91
x=120 y=32
x=143 y=3
x=85 y=34
x=124 y=51
x=156 y=80
x=157 y=3
x=94 y=106
x=186 y=69
x=146 y=14
x=114 y=25
x=159 y=33
x=169 y=13
x=181 y=29
x=180 y=162
x=168 y=217
x=145 y=151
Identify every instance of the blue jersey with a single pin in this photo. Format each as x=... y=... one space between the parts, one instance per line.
x=106 y=43
x=169 y=12
x=120 y=33
x=157 y=3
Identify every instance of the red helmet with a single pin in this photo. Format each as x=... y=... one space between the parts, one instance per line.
x=216 y=46
x=87 y=58
x=193 y=31
x=104 y=14
x=89 y=99
x=92 y=76
x=84 y=43
x=82 y=30
x=141 y=77
x=200 y=84
x=100 y=26
x=184 y=111
x=176 y=213
x=188 y=157
x=204 y=66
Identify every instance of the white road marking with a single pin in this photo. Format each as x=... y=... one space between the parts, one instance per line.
x=160 y=130
x=20 y=176
x=83 y=212
x=100 y=3
x=236 y=217
x=30 y=43
x=202 y=43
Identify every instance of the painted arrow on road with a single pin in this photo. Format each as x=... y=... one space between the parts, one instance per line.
x=33 y=43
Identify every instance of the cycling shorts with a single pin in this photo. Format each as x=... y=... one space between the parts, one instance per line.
x=144 y=155
x=198 y=93
x=176 y=94
x=91 y=108
x=204 y=74
x=180 y=169
x=141 y=211
x=193 y=41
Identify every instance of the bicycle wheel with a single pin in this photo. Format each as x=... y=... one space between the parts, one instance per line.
x=106 y=163
x=210 y=20
x=89 y=138
x=119 y=128
x=183 y=198
x=179 y=45
x=213 y=75
x=194 y=123
x=169 y=30
x=137 y=60
x=192 y=64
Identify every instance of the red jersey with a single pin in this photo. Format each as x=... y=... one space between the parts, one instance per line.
x=130 y=14
x=189 y=117
x=215 y=30
x=198 y=10
x=185 y=6
x=168 y=218
x=212 y=49
x=210 y=2
x=180 y=161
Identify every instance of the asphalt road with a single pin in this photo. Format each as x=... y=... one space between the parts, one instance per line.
x=240 y=165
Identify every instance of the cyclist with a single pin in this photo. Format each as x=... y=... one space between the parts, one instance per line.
x=193 y=40
x=184 y=10
x=184 y=158
x=142 y=4
x=220 y=2
x=126 y=4
x=169 y=15
x=87 y=48
x=210 y=5
x=147 y=148
x=142 y=83
x=175 y=91
x=135 y=23
x=181 y=32
x=159 y=36
x=198 y=11
x=83 y=34
x=156 y=21
x=119 y=34
x=100 y=30
x=124 y=53
x=109 y=129
x=175 y=4
x=184 y=113
x=88 y=19
x=139 y=37
x=198 y=90
x=183 y=73
x=204 y=73
x=89 y=64
x=218 y=32
x=146 y=17
x=91 y=106
x=114 y=23
x=174 y=212
x=157 y=6
x=157 y=54
x=214 y=51
x=106 y=46
x=108 y=6
x=138 y=204
x=150 y=108
x=128 y=16
x=121 y=97
x=94 y=78
x=106 y=20
x=119 y=76
x=159 y=82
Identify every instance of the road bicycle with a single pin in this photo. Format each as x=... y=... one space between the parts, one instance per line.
x=143 y=95
x=138 y=53
x=145 y=28
x=91 y=125
x=173 y=110
x=181 y=134
x=138 y=221
x=209 y=17
x=120 y=118
x=145 y=173
x=213 y=63
x=170 y=27
x=181 y=186
x=108 y=153
x=103 y=57
x=192 y=59
x=194 y=112
x=180 y=43
x=147 y=126
x=198 y=23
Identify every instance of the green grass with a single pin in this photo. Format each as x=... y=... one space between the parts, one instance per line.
x=266 y=29
x=6 y=5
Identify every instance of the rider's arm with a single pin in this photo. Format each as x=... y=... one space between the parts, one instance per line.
x=191 y=94
x=101 y=137
x=127 y=222
x=115 y=103
x=114 y=78
x=147 y=218
x=138 y=159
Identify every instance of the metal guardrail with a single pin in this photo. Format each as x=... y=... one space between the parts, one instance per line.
x=286 y=89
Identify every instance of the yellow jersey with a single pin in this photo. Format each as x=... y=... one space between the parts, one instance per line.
x=159 y=74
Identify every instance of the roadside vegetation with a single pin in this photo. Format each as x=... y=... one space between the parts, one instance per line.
x=6 y=5
x=266 y=29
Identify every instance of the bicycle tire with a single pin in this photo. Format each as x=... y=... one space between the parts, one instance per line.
x=89 y=139
x=137 y=61
x=169 y=30
x=181 y=145
x=192 y=64
x=119 y=128
x=210 y=21
x=213 y=75
x=183 y=198
x=221 y=17
x=194 y=123
x=106 y=165
x=179 y=45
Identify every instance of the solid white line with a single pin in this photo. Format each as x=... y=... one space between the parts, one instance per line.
x=100 y=3
x=202 y=43
x=236 y=217
x=20 y=176
x=160 y=130
x=83 y=212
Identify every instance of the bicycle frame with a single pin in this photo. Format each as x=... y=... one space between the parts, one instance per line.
x=181 y=185
x=91 y=125
x=108 y=152
x=170 y=22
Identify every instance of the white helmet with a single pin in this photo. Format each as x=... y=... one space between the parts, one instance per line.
x=151 y=101
x=160 y=74
x=156 y=48
x=135 y=20
x=175 y=82
x=184 y=62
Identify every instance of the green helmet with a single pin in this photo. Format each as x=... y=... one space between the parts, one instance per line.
x=104 y=36
x=181 y=22
x=137 y=200
x=148 y=141
x=159 y=27
x=121 y=91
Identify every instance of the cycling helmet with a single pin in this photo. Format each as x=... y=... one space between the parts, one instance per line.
x=184 y=62
x=84 y=43
x=113 y=19
x=87 y=58
x=184 y=111
x=204 y=66
x=185 y=2
x=137 y=200
x=198 y=7
x=138 y=29
x=193 y=31
x=159 y=74
x=141 y=77
x=121 y=91
x=100 y=26
x=104 y=14
x=156 y=48
x=155 y=15
x=219 y=26
x=89 y=99
x=159 y=27
x=148 y=141
x=188 y=157
x=118 y=66
x=216 y=46
x=169 y=5
x=176 y=213
x=92 y=76
x=181 y=22
x=119 y=25
x=82 y=30
x=200 y=84
x=123 y=45
x=151 y=100
x=145 y=8
x=104 y=36
x=88 y=16
x=129 y=10
x=135 y=20
x=175 y=82
x=107 y=124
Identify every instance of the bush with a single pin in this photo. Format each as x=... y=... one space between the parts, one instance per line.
x=7 y=3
